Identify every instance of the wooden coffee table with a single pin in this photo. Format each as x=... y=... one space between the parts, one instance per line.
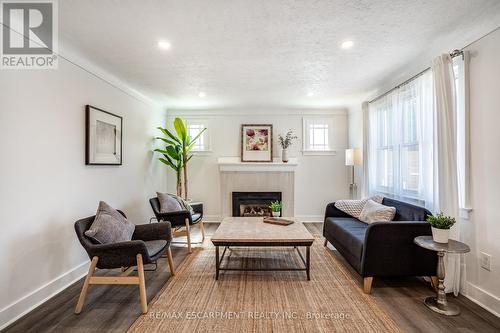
x=253 y=232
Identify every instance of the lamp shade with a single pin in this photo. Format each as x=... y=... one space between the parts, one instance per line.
x=353 y=157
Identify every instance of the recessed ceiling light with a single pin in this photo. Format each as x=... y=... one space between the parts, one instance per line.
x=347 y=44
x=202 y=94
x=162 y=44
x=310 y=94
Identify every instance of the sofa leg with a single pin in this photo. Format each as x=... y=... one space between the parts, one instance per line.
x=188 y=234
x=86 y=284
x=142 y=284
x=325 y=243
x=367 y=284
x=170 y=261
x=434 y=282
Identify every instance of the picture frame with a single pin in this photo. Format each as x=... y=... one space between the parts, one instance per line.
x=103 y=137
x=256 y=142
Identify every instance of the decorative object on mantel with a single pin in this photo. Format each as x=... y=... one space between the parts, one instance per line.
x=277 y=220
x=177 y=152
x=276 y=208
x=440 y=226
x=353 y=158
x=256 y=143
x=103 y=137
x=285 y=143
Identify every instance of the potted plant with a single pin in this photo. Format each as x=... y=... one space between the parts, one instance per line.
x=440 y=225
x=286 y=142
x=177 y=153
x=276 y=208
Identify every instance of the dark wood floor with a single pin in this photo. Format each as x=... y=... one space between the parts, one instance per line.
x=115 y=308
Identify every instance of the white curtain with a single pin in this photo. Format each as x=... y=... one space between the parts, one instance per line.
x=400 y=143
x=446 y=164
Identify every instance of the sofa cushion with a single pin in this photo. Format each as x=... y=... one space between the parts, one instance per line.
x=155 y=246
x=109 y=226
x=355 y=207
x=406 y=211
x=375 y=212
x=349 y=232
x=196 y=217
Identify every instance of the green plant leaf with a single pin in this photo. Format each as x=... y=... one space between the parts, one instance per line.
x=196 y=137
x=169 y=134
x=181 y=129
x=169 y=163
x=170 y=142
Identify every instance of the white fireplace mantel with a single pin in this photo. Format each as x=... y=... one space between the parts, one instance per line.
x=235 y=164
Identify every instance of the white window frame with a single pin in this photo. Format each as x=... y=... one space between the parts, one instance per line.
x=306 y=134
x=206 y=135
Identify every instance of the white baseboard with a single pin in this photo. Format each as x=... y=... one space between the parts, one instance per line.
x=22 y=306
x=302 y=218
x=483 y=298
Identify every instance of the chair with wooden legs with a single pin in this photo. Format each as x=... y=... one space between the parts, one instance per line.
x=181 y=221
x=149 y=242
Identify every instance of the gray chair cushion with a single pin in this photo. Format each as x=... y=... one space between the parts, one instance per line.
x=349 y=232
x=168 y=203
x=155 y=246
x=196 y=218
x=110 y=226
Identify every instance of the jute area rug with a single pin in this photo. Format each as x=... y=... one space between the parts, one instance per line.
x=193 y=301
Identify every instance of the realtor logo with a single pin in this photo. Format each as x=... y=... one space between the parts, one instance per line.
x=29 y=34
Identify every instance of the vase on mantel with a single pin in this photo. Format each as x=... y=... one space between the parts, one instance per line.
x=284 y=155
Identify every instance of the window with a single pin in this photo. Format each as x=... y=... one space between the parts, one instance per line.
x=317 y=133
x=400 y=142
x=202 y=143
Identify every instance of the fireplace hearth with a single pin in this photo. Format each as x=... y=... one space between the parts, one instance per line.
x=253 y=203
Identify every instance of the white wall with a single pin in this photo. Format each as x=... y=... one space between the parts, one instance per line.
x=318 y=180
x=355 y=125
x=45 y=185
x=482 y=231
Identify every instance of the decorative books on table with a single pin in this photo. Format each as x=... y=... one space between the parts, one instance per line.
x=277 y=220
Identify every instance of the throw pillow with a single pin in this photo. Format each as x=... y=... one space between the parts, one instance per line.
x=175 y=203
x=375 y=212
x=110 y=226
x=168 y=203
x=354 y=207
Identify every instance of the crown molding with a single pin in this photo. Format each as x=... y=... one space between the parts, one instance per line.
x=258 y=111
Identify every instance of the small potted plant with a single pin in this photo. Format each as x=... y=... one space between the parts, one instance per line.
x=286 y=142
x=276 y=208
x=440 y=225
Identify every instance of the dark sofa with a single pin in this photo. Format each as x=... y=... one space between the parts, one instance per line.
x=382 y=249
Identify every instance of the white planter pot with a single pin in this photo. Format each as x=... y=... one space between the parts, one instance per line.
x=440 y=235
x=276 y=214
x=284 y=155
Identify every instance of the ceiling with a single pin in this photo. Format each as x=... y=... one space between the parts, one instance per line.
x=267 y=52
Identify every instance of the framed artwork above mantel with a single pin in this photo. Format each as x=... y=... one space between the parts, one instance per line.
x=256 y=143
x=103 y=137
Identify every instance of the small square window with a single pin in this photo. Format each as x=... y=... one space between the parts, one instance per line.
x=202 y=143
x=318 y=136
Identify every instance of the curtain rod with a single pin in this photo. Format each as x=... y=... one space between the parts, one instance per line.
x=453 y=54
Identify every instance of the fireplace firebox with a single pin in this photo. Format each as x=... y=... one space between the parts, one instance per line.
x=254 y=203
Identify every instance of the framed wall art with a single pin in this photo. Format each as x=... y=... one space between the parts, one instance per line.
x=256 y=143
x=103 y=137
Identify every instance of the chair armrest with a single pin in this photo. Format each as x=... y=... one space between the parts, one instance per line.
x=389 y=249
x=118 y=255
x=198 y=208
x=332 y=211
x=153 y=231
x=176 y=218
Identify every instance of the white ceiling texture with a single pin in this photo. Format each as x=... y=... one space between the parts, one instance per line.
x=279 y=53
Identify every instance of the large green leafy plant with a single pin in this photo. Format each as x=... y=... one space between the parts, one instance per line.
x=177 y=152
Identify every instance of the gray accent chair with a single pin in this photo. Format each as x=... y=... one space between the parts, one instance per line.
x=181 y=221
x=149 y=242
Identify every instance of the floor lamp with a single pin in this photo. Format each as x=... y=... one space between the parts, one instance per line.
x=352 y=158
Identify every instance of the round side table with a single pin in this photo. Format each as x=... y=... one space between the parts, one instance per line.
x=439 y=304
